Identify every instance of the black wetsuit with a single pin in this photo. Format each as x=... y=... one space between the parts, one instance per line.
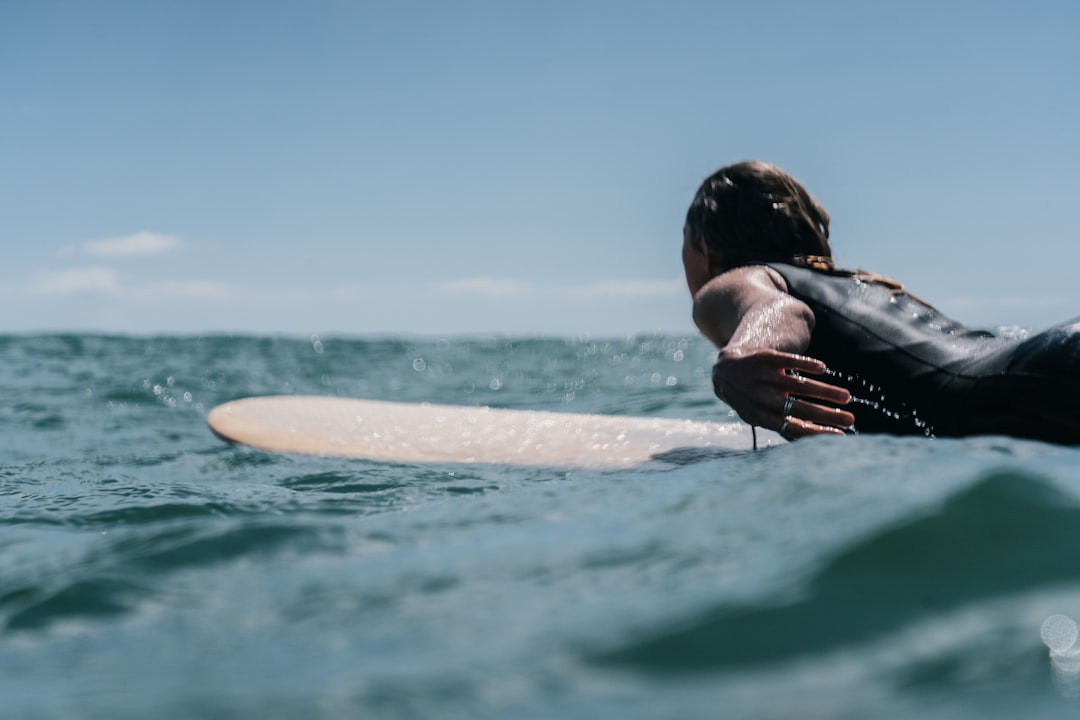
x=911 y=370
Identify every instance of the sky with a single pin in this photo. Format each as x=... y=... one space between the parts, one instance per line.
x=523 y=168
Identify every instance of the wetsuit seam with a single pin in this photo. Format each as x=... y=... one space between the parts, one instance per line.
x=896 y=347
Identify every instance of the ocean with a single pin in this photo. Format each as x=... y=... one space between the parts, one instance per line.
x=151 y=570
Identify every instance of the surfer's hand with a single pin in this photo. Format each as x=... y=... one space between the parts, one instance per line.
x=757 y=384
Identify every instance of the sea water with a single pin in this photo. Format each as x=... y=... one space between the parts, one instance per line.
x=151 y=570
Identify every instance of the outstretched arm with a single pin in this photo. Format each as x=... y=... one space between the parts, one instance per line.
x=761 y=332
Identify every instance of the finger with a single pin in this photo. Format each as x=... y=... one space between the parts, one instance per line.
x=796 y=384
x=796 y=429
x=806 y=387
x=791 y=361
x=821 y=414
x=804 y=364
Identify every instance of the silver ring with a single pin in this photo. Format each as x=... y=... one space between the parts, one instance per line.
x=788 y=404
x=783 y=429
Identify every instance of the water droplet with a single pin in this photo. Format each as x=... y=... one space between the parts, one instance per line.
x=495 y=384
x=419 y=365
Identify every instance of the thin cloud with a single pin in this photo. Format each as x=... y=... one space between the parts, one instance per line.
x=1012 y=302
x=140 y=244
x=350 y=293
x=487 y=287
x=619 y=289
x=190 y=290
x=96 y=279
x=103 y=280
x=215 y=293
x=629 y=289
x=287 y=298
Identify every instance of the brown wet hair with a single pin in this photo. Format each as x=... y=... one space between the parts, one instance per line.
x=755 y=212
x=751 y=212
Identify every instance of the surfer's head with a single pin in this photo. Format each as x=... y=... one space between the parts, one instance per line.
x=754 y=212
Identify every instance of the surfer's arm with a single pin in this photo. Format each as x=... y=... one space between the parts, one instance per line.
x=761 y=332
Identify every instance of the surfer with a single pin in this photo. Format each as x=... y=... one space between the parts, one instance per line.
x=807 y=348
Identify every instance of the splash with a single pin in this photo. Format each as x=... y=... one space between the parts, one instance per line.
x=872 y=397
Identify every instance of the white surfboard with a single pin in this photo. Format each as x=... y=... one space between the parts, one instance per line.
x=423 y=433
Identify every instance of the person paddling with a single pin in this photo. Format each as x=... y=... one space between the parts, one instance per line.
x=807 y=348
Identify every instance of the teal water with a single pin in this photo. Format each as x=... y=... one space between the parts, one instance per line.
x=150 y=570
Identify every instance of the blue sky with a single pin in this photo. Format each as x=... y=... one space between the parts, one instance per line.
x=510 y=167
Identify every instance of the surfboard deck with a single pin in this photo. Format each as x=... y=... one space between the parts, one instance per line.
x=426 y=433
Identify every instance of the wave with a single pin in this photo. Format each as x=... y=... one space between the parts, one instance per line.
x=1006 y=534
x=115 y=579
